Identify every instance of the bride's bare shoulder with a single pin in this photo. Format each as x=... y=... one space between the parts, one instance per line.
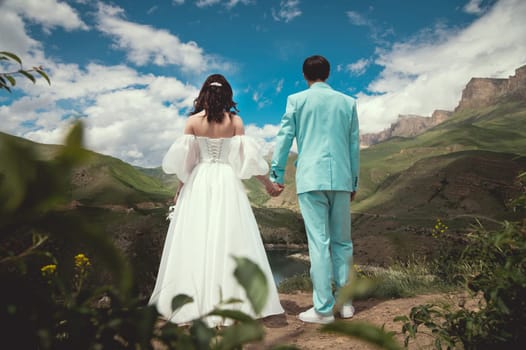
x=197 y=116
x=237 y=121
x=193 y=122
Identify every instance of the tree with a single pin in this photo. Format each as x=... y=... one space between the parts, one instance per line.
x=7 y=79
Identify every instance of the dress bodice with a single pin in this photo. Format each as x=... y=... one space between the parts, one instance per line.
x=213 y=150
x=241 y=152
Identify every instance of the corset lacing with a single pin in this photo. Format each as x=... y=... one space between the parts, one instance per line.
x=214 y=147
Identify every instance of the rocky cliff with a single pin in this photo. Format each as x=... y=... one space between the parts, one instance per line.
x=482 y=92
x=407 y=125
x=479 y=92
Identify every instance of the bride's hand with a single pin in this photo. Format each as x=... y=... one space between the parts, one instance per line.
x=179 y=188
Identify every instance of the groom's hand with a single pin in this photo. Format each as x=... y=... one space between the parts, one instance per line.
x=353 y=194
x=275 y=189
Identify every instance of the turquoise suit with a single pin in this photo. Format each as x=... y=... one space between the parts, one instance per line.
x=324 y=123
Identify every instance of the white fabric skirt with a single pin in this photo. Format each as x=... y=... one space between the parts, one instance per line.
x=212 y=222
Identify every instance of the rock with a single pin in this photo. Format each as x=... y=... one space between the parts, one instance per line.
x=483 y=92
x=407 y=125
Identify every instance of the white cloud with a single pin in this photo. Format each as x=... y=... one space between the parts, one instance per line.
x=146 y=44
x=127 y=115
x=358 y=67
x=152 y=9
x=177 y=2
x=357 y=19
x=204 y=3
x=265 y=135
x=228 y=3
x=260 y=99
x=279 y=85
x=232 y=3
x=288 y=10
x=14 y=37
x=48 y=13
x=473 y=7
x=429 y=72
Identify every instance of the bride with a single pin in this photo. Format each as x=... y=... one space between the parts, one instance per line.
x=212 y=219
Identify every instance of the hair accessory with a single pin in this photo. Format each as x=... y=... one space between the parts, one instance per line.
x=215 y=83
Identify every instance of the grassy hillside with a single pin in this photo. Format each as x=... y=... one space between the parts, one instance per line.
x=463 y=168
x=104 y=180
x=500 y=128
x=107 y=180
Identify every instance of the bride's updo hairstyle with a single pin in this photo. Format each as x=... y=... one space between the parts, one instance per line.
x=215 y=98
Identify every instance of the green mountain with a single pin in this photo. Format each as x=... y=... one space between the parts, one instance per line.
x=462 y=169
x=104 y=180
x=499 y=128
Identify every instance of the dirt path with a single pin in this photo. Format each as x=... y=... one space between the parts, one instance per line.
x=287 y=329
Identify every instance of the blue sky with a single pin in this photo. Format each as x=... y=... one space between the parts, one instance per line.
x=131 y=69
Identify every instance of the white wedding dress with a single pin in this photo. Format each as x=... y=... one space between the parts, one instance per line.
x=212 y=221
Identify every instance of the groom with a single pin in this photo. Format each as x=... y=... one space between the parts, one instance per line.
x=325 y=125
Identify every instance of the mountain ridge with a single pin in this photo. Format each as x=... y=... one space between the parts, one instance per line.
x=478 y=93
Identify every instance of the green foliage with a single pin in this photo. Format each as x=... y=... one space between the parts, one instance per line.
x=356 y=288
x=7 y=79
x=400 y=280
x=253 y=280
x=298 y=282
x=48 y=302
x=374 y=335
x=495 y=262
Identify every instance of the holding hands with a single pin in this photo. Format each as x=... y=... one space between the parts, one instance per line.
x=273 y=189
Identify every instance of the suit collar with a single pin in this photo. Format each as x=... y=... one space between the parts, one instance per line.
x=320 y=85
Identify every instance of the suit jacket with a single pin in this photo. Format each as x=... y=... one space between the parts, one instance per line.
x=325 y=125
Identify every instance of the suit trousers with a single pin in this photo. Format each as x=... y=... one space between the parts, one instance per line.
x=327 y=220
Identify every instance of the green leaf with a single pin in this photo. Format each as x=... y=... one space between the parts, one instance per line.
x=401 y=319
x=43 y=74
x=11 y=56
x=19 y=169
x=179 y=300
x=3 y=84
x=11 y=79
x=253 y=280
x=364 y=331
x=239 y=334
x=356 y=288
x=232 y=314
x=201 y=334
x=73 y=151
x=232 y=301
x=27 y=75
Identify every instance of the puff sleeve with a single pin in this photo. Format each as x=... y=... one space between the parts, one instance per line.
x=182 y=157
x=246 y=157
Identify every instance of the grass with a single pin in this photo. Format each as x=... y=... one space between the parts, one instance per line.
x=400 y=280
x=499 y=128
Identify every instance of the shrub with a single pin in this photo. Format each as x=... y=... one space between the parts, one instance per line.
x=494 y=265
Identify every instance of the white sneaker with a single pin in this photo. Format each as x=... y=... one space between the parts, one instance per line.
x=311 y=316
x=347 y=311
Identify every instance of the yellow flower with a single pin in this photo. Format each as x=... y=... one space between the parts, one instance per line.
x=438 y=229
x=82 y=261
x=48 y=270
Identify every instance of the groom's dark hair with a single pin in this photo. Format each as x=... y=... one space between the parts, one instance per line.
x=316 y=68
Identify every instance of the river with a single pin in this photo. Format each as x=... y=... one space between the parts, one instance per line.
x=283 y=266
